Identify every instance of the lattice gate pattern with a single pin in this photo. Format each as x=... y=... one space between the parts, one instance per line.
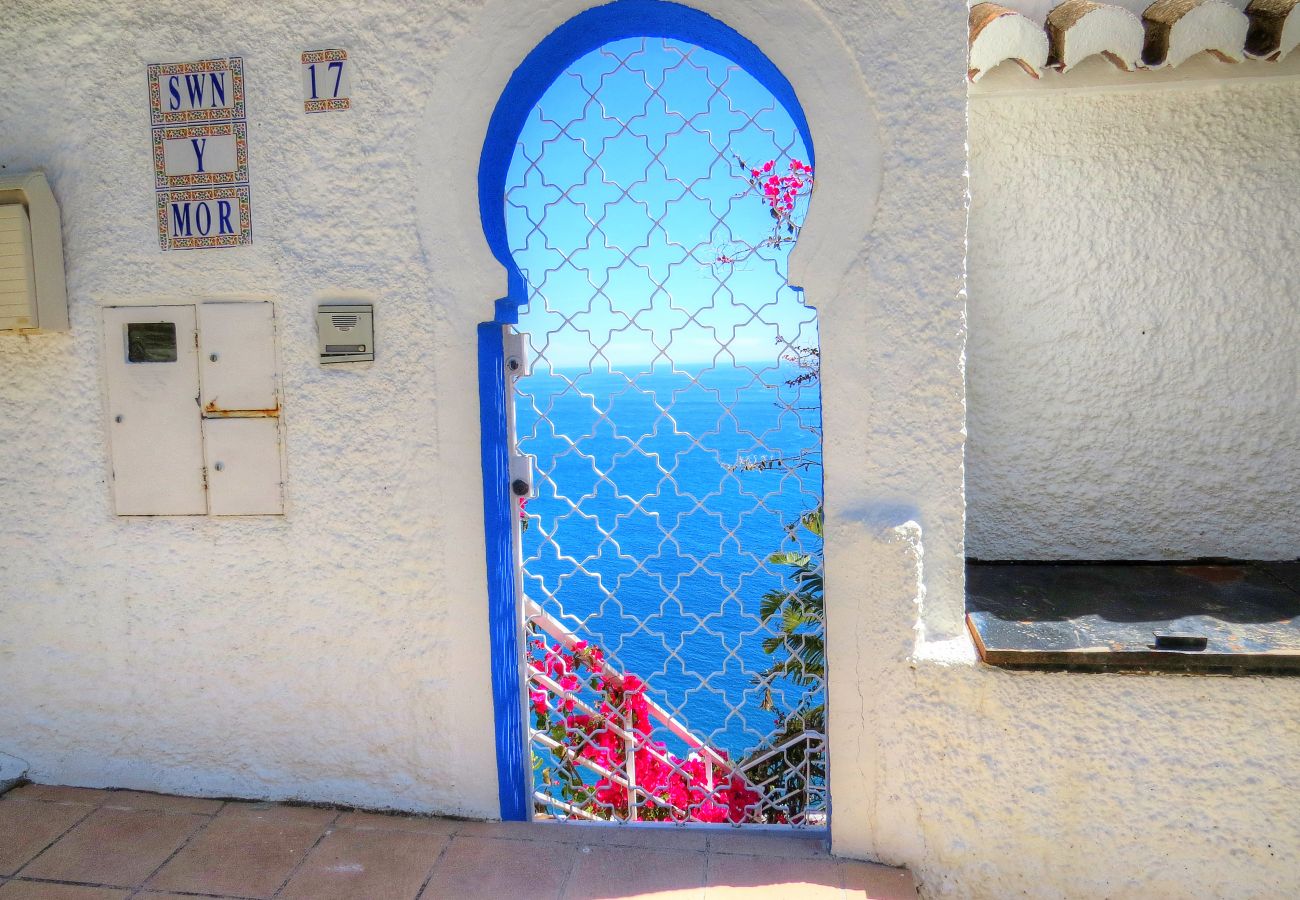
x=671 y=551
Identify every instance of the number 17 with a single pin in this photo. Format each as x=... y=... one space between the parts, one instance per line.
x=337 y=66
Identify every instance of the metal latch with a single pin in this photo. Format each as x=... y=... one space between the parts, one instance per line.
x=521 y=475
x=515 y=346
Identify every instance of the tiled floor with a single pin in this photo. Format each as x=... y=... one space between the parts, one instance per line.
x=59 y=843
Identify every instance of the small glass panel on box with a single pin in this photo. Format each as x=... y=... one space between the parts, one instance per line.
x=148 y=342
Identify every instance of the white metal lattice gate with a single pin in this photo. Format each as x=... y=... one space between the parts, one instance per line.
x=667 y=391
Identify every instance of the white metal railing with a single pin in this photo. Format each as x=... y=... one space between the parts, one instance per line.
x=567 y=639
x=717 y=766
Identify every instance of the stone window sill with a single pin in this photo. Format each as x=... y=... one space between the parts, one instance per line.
x=1104 y=617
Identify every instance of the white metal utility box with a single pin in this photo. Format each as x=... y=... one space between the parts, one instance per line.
x=33 y=295
x=194 y=409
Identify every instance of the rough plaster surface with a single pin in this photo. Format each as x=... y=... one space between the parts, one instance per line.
x=993 y=784
x=340 y=653
x=1134 y=385
x=321 y=655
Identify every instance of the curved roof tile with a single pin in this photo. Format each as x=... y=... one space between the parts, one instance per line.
x=1078 y=29
x=1179 y=29
x=1274 y=28
x=998 y=34
x=1169 y=33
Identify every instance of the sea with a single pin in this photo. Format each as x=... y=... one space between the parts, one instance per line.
x=662 y=494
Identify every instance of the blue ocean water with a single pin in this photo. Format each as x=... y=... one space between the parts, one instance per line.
x=645 y=542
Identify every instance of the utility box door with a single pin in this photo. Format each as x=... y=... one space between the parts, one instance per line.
x=237 y=357
x=243 y=466
x=153 y=410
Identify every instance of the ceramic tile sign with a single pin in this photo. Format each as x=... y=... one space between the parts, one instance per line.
x=210 y=90
x=200 y=219
x=197 y=155
x=200 y=154
x=326 y=81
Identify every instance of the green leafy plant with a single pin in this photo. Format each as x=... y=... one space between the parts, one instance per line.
x=798 y=652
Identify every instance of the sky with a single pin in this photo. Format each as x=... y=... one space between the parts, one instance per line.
x=623 y=192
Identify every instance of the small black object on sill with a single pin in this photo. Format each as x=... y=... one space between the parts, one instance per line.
x=1180 y=641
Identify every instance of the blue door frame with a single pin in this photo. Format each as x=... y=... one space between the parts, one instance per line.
x=548 y=60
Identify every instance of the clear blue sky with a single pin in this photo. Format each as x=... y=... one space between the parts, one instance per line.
x=623 y=191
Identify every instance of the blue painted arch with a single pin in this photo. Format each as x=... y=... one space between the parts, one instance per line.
x=574 y=39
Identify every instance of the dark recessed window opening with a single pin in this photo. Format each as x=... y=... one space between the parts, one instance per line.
x=1232 y=618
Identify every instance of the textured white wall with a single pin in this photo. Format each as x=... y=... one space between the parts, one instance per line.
x=321 y=655
x=341 y=653
x=1134 y=314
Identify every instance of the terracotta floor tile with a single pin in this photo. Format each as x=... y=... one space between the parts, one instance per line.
x=490 y=867
x=788 y=878
x=520 y=831
x=161 y=802
x=28 y=828
x=387 y=822
x=353 y=863
x=595 y=834
x=115 y=847
x=57 y=793
x=768 y=843
x=247 y=856
x=34 y=890
x=272 y=812
x=651 y=836
x=629 y=872
x=866 y=881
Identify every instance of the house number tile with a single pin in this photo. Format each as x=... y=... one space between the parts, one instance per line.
x=326 y=81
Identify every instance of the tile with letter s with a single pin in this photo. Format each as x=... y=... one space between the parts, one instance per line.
x=209 y=90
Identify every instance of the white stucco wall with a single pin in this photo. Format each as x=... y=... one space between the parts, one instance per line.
x=340 y=653
x=319 y=655
x=1134 y=380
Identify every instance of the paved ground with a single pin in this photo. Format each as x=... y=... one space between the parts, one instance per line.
x=60 y=843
